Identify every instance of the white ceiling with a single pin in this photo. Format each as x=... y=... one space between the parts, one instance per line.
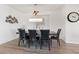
x=27 y=8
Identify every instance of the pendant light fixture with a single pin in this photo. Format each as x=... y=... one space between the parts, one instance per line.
x=35 y=17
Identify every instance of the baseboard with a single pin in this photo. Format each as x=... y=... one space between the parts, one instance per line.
x=62 y=42
x=7 y=41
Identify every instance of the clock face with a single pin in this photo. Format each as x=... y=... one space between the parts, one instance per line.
x=73 y=17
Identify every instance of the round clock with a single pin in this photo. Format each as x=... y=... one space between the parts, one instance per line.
x=73 y=17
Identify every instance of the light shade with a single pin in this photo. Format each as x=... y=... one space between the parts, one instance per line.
x=36 y=20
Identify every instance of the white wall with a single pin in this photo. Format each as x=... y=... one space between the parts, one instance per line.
x=7 y=31
x=57 y=21
x=52 y=21
x=72 y=29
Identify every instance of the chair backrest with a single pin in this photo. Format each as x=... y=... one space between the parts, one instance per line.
x=58 y=32
x=21 y=33
x=44 y=34
x=32 y=34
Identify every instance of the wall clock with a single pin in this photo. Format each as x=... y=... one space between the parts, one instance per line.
x=73 y=17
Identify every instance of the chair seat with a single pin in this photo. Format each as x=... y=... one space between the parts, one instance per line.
x=54 y=37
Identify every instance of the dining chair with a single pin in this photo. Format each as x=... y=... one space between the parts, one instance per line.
x=32 y=37
x=56 y=36
x=21 y=36
x=27 y=39
x=45 y=38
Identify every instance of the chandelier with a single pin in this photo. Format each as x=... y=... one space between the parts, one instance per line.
x=35 y=12
x=36 y=17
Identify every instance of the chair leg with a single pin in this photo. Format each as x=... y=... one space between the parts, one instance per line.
x=35 y=44
x=40 y=44
x=58 y=41
x=28 y=44
x=49 y=45
x=19 y=42
x=23 y=42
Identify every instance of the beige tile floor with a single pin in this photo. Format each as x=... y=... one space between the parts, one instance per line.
x=11 y=47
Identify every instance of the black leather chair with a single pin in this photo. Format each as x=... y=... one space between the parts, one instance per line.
x=21 y=36
x=45 y=38
x=32 y=37
x=27 y=39
x=56 y=36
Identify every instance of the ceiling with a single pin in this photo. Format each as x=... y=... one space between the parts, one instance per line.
x=29 y=8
